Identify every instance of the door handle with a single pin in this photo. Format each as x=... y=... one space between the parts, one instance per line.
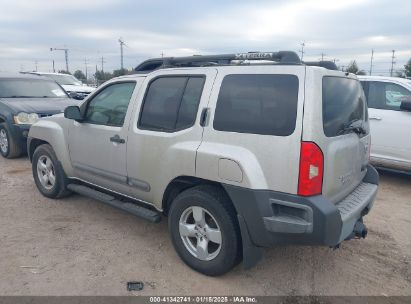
x=375 y=118
x=117 y=139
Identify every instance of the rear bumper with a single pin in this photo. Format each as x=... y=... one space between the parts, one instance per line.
x=273 y=218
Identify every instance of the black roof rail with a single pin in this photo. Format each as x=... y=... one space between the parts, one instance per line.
x=330 y=65
x=285 y=57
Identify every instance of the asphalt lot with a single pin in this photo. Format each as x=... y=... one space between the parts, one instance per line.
x=78 y=246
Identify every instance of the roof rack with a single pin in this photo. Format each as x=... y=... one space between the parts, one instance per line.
x=149 y=65
x=281 y=57
x=330 y=65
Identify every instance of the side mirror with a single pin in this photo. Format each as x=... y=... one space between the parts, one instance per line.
x=73 y=112
x=406 y=105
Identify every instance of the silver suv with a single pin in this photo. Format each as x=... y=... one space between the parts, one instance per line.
x=239 y=151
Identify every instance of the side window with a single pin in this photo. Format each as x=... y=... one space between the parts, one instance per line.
x=171 y=103
x=109 y=107
x=386 y=95
x=257 y=104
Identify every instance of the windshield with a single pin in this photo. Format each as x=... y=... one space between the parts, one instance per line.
x=64 y=79
x=30 y=88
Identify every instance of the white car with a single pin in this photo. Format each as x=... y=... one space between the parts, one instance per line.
x=70 y=83
x=389 y=103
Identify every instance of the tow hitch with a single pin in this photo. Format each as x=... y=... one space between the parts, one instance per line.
x=359 y=232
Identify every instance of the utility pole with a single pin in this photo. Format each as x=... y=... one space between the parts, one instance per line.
x=302 y=50
x=121 y=51
x=85 y=65
x=35 y=64
x=162 y=55
x=65 y=55
x=54 y=69
x=372 y=58
x=392 y=62
x=102 y=64
x=322 y=56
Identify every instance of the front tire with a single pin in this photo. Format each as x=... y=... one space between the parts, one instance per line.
x=48 y=174
x=204 y=230
x=8 y=146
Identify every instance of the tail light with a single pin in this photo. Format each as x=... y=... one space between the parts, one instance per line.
x=310 y=181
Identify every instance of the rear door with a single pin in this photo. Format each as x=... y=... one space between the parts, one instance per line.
x=390 y=124
x=165 y=131
x=333 y=102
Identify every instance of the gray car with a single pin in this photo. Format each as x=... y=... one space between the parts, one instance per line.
x=240 y=152
x=24 y=99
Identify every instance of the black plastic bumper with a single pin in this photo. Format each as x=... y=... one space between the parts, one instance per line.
x=272 y=218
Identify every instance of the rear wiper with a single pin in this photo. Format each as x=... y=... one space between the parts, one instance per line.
x=355 y=126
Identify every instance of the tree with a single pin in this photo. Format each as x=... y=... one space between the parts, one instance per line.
x=79 y=75
x=120 y=72
x=102 y=76
x=407 y=68
x=353 y=68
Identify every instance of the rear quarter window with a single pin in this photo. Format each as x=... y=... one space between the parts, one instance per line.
x=257 y=104
x=343 y=103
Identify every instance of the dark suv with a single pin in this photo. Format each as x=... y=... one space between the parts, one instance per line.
x=24 y=99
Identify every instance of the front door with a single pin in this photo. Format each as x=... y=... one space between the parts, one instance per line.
x=390 y=124
x=97 y=145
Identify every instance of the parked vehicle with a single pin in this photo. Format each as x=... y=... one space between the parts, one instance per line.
x=389 y=102
x=74 y=87
x=23 y=100
x=239 y=151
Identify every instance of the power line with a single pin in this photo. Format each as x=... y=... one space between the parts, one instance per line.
x=85 y=65
x=392 y=62
x=65 y=55
x=121 y=51
x=102 y=64
x=302 y=50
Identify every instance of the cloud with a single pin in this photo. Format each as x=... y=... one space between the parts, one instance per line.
x=345 y=30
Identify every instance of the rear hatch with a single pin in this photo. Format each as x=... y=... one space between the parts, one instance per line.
x=336 y=119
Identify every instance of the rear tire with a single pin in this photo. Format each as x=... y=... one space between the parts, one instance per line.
x=204 y=230
x=8 y=146
x=48 y=173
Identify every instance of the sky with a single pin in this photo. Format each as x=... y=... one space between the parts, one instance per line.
x=342 y=30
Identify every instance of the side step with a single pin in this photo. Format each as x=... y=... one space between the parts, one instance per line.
x=150 y=215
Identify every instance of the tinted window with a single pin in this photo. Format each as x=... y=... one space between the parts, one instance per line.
x=171 y=103
x=257 y=104
x=386 y=95
x=35 y=88
x=343 y=103
x=109 y=107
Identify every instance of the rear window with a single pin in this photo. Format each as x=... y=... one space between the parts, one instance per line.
x=257 y=104
x=343 y=103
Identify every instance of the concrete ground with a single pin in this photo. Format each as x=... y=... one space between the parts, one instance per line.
x=78 y=246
